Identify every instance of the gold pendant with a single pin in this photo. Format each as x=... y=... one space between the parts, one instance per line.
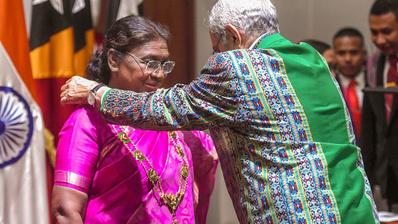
x=171 y=201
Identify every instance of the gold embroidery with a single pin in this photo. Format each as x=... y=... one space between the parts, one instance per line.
x=123 y=137
x=171 y=200
x=138 y=155
x=152 y=175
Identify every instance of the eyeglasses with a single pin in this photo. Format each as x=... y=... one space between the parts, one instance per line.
x=153 y=66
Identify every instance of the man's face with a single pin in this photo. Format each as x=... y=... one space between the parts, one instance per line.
x=330 y=58
x=220 y=45
x=350 y=55
x=384 y=30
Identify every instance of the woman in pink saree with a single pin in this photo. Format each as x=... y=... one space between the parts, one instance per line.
x=107 y=173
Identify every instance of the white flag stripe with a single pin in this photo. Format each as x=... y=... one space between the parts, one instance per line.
x=23 y=189
x=128 y=7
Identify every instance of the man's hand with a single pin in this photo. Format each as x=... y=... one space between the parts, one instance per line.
x=76 y=90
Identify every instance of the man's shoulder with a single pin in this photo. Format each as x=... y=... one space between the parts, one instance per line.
x=224 y=61
x=375 y=55
x=372 y=66
x=240 y=55
x=229 y=62
x=374 y=59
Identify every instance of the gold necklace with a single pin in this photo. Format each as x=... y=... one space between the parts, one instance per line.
x=171 y=200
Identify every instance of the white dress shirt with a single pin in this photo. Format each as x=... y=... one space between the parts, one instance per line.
x=360 y=81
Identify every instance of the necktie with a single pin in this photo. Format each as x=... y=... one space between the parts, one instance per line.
x=353 y=105
x=392 y=74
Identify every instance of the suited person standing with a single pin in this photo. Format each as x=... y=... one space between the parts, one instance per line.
x=379 y=115
x=350 y=54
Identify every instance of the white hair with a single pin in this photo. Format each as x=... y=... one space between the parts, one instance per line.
x=255 y=17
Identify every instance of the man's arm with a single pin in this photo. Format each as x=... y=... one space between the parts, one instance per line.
x=209 y=100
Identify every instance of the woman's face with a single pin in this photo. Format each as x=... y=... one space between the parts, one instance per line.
x=130 y=73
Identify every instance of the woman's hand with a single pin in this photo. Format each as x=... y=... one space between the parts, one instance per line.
x=68 y=205
x=76 y=90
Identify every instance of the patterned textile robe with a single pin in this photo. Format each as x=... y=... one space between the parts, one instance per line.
x=281 y=128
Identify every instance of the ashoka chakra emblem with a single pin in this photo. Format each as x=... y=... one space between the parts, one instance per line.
x=16 y=126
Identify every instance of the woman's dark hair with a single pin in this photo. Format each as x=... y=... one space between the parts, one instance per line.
x=124 y=35
x=320 y=46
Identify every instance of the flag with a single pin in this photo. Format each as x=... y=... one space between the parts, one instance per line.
x=61 y=43
x=121 y=8
x=108 y=11
x=23 y=191
x=130 y=7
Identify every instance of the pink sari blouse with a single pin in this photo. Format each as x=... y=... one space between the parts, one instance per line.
x=91 y=159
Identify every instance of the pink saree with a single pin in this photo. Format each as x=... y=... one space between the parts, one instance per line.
x=92 y=159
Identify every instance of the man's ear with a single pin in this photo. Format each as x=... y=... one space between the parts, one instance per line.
x=235 y=34
x=113 y=61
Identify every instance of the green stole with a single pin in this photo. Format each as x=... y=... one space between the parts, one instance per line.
x=308 y=72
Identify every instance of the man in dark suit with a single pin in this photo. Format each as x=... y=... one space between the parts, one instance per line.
x=350 y=53
x=379 y=115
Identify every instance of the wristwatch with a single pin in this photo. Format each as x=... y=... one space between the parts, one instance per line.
x=92 y=94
